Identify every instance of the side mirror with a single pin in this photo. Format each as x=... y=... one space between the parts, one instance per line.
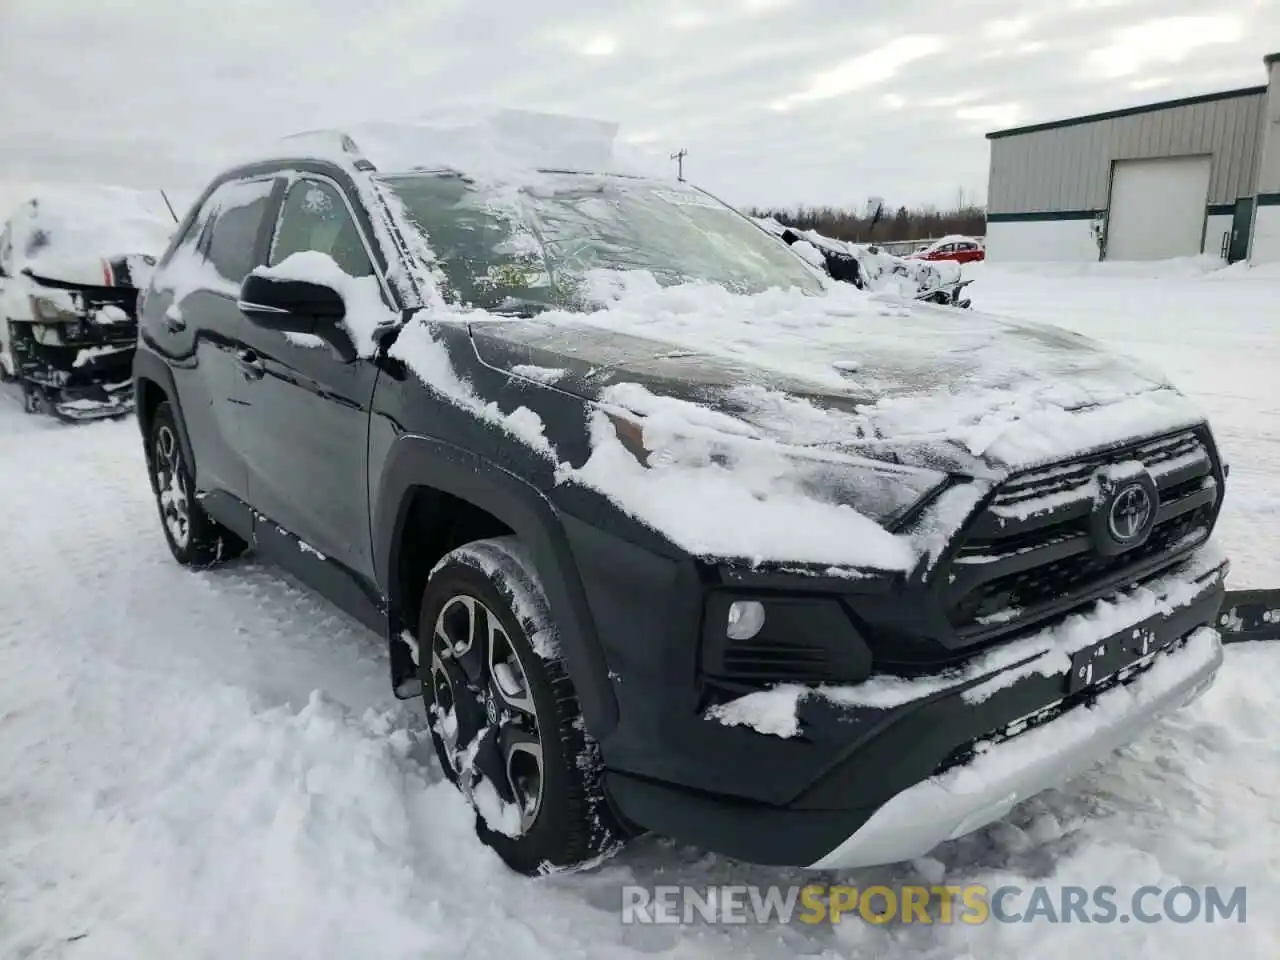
x=297 y=306
x=290 y=306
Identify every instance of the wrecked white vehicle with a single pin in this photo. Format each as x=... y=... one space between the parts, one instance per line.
x=71 y=264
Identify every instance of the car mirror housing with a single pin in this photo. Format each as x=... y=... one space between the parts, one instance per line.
x=297 y=306
x=290 y=306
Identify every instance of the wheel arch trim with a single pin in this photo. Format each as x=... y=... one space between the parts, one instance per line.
x=150 y=372
x=414 y=462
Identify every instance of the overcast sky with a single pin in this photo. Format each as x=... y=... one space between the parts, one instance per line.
x=777 y=101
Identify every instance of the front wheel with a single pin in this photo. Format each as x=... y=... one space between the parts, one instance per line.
x=503 y=714
x=195 y=539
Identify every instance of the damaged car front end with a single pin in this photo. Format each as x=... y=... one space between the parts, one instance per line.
x=70 y=271
x=72 y=353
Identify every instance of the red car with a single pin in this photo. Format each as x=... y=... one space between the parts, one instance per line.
x=959 y=249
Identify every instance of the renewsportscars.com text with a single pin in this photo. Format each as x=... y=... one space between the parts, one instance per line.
x=972 y=904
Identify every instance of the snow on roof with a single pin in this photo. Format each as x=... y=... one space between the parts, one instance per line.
x=951 y=238
x=71 y=222
x=496 y=143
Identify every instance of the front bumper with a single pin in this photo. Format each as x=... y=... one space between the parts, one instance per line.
x=95 y=401
x=80 y=381
x=906 y=765
x=971 y=796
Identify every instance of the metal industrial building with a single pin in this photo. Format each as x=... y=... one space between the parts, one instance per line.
x=1197 y=175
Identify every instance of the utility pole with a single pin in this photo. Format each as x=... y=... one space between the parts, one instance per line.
x=678 y=157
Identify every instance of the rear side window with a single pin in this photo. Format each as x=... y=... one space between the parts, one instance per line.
x=224 y=230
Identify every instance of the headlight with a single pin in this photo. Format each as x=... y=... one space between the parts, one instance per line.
x=883 y=492
x=47 y=310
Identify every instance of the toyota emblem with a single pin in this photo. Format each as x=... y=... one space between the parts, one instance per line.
x=1130 y=514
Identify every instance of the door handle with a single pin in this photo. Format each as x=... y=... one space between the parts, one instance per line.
x=250 y=366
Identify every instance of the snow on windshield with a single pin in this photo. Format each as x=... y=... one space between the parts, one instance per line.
x=535 y=245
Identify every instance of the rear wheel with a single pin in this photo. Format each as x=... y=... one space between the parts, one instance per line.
x=195 y=539
x=503 y=713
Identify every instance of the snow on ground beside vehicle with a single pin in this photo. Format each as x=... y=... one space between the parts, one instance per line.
x=1213 y=332
x=175 y=786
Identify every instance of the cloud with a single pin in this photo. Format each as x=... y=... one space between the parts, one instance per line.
x=885 y=99
x=1006 y=29
x=1159 y=42
x=864 y=71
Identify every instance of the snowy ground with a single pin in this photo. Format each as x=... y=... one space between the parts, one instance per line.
x=173 y=785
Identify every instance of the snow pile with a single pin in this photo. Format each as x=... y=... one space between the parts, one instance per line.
x=912 y=379
x=771 y=712
x=493 y=144
x=66 y=226
x=720 y=498
x=1172 y=268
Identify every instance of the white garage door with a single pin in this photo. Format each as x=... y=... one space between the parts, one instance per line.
x=1157 y=208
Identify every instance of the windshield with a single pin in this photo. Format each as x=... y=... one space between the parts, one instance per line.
x=522 y=249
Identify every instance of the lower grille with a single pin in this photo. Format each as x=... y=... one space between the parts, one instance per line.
x=773 y=661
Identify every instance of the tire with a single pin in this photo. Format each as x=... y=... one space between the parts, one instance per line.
x=195 y=539
x=510 y=736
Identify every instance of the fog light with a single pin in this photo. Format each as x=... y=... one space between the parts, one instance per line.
x=746 y=619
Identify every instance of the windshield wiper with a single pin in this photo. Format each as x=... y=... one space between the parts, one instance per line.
x=519 y=307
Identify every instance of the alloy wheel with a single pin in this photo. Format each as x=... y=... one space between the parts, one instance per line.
x=174 y=508
x=482 y=709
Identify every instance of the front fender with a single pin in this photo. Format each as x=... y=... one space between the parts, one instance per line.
x=148 y=367
x=415 y=461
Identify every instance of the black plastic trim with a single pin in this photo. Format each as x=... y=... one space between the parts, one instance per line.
x=416 y=461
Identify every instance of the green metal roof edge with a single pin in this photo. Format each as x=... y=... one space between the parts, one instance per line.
x=1131 y=111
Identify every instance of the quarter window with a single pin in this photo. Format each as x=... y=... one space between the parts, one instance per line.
x=315 y=216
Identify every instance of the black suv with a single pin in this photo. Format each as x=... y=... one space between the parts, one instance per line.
x=394 y=383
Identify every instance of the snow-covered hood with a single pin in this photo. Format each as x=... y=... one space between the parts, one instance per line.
x=917 y=384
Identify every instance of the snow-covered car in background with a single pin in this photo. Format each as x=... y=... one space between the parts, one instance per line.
x=669 y=532
x=71 y=263
x=868 y=267
x=955 y=249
